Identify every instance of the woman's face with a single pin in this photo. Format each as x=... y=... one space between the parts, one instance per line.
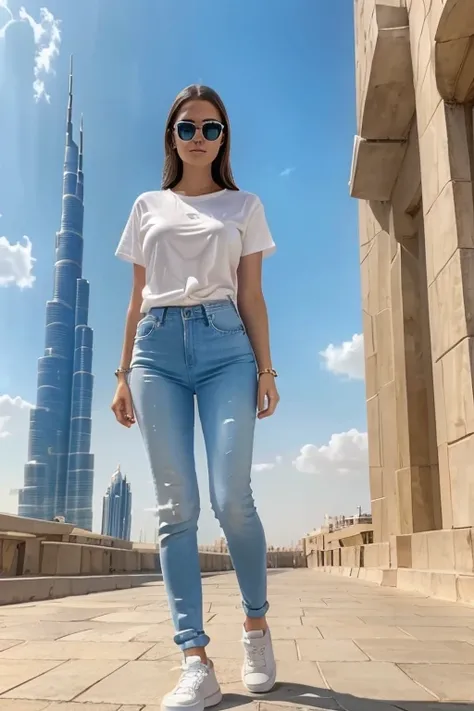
x=198 y=132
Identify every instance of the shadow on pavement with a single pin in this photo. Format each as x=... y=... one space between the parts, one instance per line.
x=319 y=699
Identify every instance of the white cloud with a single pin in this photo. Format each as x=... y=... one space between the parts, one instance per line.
x=264 y=467
x=286 y=172
x=268 y=466
x=47 y=38
x=346 y=359
x=16 y=263
x=13 y=415
x=346 y=453
x=10 y=19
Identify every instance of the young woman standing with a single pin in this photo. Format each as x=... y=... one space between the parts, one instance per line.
x=197 y=326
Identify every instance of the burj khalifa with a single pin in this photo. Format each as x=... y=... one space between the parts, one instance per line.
x=58 y=477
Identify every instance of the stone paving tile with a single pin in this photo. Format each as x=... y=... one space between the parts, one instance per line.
x=134 y=617
x=43 y=630
x=223 y=619
x=108 y=632
x=407 y=651
x=455 y=634
x=134 y=683
x=329 y=650
x=66 y=681
x=361 y=632
x=22 y=705
x=14 y=672
x=372 y=680
x=64 y=650
x=340 y=620
x=450 y=682
x=74 y=706
x=415 y=621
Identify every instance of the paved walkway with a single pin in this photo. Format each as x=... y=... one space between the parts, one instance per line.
x=341 y=644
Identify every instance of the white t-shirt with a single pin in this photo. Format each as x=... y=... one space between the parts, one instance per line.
x=191 y=246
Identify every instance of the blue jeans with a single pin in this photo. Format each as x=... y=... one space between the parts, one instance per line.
x=202 y=351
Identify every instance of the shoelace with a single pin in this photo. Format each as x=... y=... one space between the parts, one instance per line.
x=191 y=678
x=255 y=655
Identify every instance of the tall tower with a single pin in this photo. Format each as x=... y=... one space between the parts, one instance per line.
x=117 y=507
x=60 y=469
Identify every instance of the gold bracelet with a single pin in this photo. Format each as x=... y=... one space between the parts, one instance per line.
x=268 y=371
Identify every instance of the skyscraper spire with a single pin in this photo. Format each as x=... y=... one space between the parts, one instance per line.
x=69 y=103
x=81 y=143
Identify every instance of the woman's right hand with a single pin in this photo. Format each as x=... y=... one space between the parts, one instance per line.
x=122 y=405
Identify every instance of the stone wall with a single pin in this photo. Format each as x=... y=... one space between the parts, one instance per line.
x=413 y=169
x=41 y=559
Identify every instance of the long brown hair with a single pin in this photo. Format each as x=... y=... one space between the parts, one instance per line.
x=173 y=168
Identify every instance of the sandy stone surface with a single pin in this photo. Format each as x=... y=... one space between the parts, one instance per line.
x=341 y=645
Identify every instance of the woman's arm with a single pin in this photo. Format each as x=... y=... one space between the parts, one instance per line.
x=122 y=403
x=133 y=316
x=253 y=310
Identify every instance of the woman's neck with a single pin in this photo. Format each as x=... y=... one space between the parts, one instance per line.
x=197 y=182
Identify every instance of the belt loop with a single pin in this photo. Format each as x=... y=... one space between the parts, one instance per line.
x=163 y=315
x=206 y=314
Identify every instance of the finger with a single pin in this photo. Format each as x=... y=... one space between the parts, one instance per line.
x=261 y=400
x=120 y=414
x=272 y=399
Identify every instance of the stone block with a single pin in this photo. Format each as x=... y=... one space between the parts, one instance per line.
x=9 y=556
x=440 y=550
x=387 y=99
x=463 y=550
x=445 y=486
x=400 y=551
x=374 y=433
x=461 y=467
x=49 y=557
x=458 y=379
x=388 y=426
x=375 y=167
x=419 y=551
x=465 y=588
x=443 y=147
x=451 y=298
x=32 y=555
x=376 y=482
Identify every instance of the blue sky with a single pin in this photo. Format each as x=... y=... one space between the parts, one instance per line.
x=286 y=73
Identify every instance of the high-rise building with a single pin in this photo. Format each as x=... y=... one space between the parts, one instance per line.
x=59 y=473
x=117 y=507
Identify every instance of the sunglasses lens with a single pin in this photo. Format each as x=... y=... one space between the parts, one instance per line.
x=211 y=131
x=186 y=130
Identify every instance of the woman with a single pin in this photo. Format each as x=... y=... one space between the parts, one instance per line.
x=189 y=333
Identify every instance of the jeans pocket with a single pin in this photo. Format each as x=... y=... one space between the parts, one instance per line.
x=145 y=328
x=226 y=321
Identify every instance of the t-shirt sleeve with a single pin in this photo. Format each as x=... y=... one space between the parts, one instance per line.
x=130 y=245
x=257 y=236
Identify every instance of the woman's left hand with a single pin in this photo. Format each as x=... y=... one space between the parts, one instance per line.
x=268 y=397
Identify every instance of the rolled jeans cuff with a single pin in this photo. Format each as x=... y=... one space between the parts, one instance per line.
x=255 y=613
x=190 y=639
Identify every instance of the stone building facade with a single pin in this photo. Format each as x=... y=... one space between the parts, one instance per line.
x=413 y=173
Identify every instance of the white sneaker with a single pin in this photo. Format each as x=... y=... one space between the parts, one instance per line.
x=197 y=688
x=259 y=670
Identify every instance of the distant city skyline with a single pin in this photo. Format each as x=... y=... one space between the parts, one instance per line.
x=58 y=477
x=117 y=507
